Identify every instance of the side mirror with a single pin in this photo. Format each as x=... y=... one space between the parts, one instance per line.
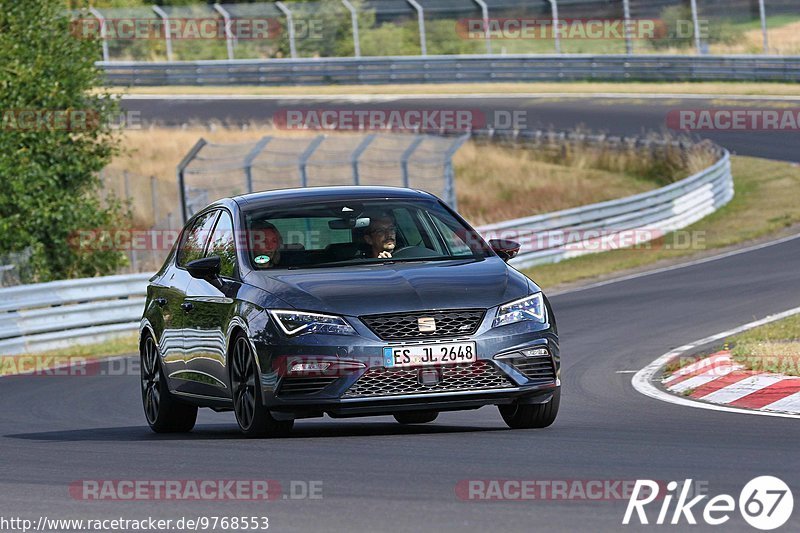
x=207 y=268
x=504 y=248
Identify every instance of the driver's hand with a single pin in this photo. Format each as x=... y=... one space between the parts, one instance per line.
x=384 y=255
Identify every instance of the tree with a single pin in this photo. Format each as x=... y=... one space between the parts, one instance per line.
x=56 y=134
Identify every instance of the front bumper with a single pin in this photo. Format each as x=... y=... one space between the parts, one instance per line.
x=371 y=389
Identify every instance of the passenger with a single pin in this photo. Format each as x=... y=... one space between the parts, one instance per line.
x=381 y=235
x=266 y=242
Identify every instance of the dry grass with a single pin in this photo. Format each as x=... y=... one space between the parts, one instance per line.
x=784 y=40
x=493 y=182
x=771 y=348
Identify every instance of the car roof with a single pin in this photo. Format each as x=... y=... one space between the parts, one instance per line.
x=327 y=193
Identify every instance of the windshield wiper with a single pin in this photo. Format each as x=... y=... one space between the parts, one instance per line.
x=377 y=261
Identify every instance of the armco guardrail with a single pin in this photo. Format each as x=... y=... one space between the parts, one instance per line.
x=53 y=315
x=49 y=316
x=450 y=69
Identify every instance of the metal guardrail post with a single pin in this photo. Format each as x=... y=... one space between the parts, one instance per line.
x=354 y=22
x=762 y=10
x=423 y=41
x=302 y=161
x=103 y=30
x=556 y=31
x=696 y=23
x=290 y=26
x=250 y=157
x=167 y=36
x=407 y=153
x=626 y=10
x=181 y=178
x=362 y=146
x=485 y=16
x=228 y=32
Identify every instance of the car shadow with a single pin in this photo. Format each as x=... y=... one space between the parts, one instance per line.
x=222 y=432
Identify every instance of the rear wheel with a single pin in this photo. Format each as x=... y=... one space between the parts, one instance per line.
x=164 y=412
x=253 y=418
x=416 y=417
x=522 y=416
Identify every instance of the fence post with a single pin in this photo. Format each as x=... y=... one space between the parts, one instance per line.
x=354 y=21
x=556 y=31
x=696 y=23
x=167 y=37
x=188 y=158
x=357 y=153
x=228 y=32
x=103 y=30
x=626 y=9
x=485 y=16
x=304 y=157
x=423 y=41
x=763 y=13
x=449 y=175
x=407 y=153
x=250 y=157
x=290 y=26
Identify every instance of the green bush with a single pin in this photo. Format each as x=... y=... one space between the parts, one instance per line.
x=48 y=170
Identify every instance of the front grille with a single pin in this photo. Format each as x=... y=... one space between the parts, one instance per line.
x=539 y=368
x=401 y=326
x=301 y=386
x=480 y=375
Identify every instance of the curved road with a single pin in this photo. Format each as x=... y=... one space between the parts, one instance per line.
x=377 y=475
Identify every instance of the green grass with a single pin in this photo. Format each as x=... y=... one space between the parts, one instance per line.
x=765 y=203
x=771 y=348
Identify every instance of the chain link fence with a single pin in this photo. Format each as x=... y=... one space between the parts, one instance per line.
x=211 y=171
x=356 y=28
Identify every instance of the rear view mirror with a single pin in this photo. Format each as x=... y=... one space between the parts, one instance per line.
x=348 y=223
x=207 y=268
x=505 y=248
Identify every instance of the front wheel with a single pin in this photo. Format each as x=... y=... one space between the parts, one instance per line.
x=522 y=416
x=416 y=417
x=164 y=412
x=253 y=418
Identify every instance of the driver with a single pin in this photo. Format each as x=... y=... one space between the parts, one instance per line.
x=381 y=235
x=265 y=244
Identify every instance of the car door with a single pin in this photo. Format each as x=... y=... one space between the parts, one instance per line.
x=192 y=246
x=212 y=307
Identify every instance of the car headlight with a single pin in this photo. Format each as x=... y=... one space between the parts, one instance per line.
x=528 y=308
x=295 y=323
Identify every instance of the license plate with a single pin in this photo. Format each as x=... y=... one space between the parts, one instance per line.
x=429 y=354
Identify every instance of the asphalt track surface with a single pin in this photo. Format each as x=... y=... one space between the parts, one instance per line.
x=615 y=116
x=379 y=476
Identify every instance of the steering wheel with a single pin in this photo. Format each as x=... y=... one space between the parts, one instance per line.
x=412 y=251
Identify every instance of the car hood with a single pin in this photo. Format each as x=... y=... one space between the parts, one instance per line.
x=398 y=287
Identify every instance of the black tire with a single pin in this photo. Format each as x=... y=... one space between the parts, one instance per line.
x=416 y=417
x=521 y=416
x=253 y=418
x=163 y=411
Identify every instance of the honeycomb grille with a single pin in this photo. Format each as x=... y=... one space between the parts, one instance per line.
x=480 y=375
x=538 y=368
x=456 y=322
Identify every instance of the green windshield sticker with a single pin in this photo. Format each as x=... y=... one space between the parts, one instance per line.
x=262 y=259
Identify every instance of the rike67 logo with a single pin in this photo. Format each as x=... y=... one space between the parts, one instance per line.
x=765 y=503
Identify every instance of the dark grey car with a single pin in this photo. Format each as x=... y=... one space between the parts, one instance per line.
x=346 y=301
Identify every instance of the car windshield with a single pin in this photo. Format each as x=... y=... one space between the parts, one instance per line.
x=346 y=233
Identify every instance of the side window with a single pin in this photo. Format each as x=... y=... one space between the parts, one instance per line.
x=195 y=239
x=454 y=242
x=223 y=245
x=407 y=228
